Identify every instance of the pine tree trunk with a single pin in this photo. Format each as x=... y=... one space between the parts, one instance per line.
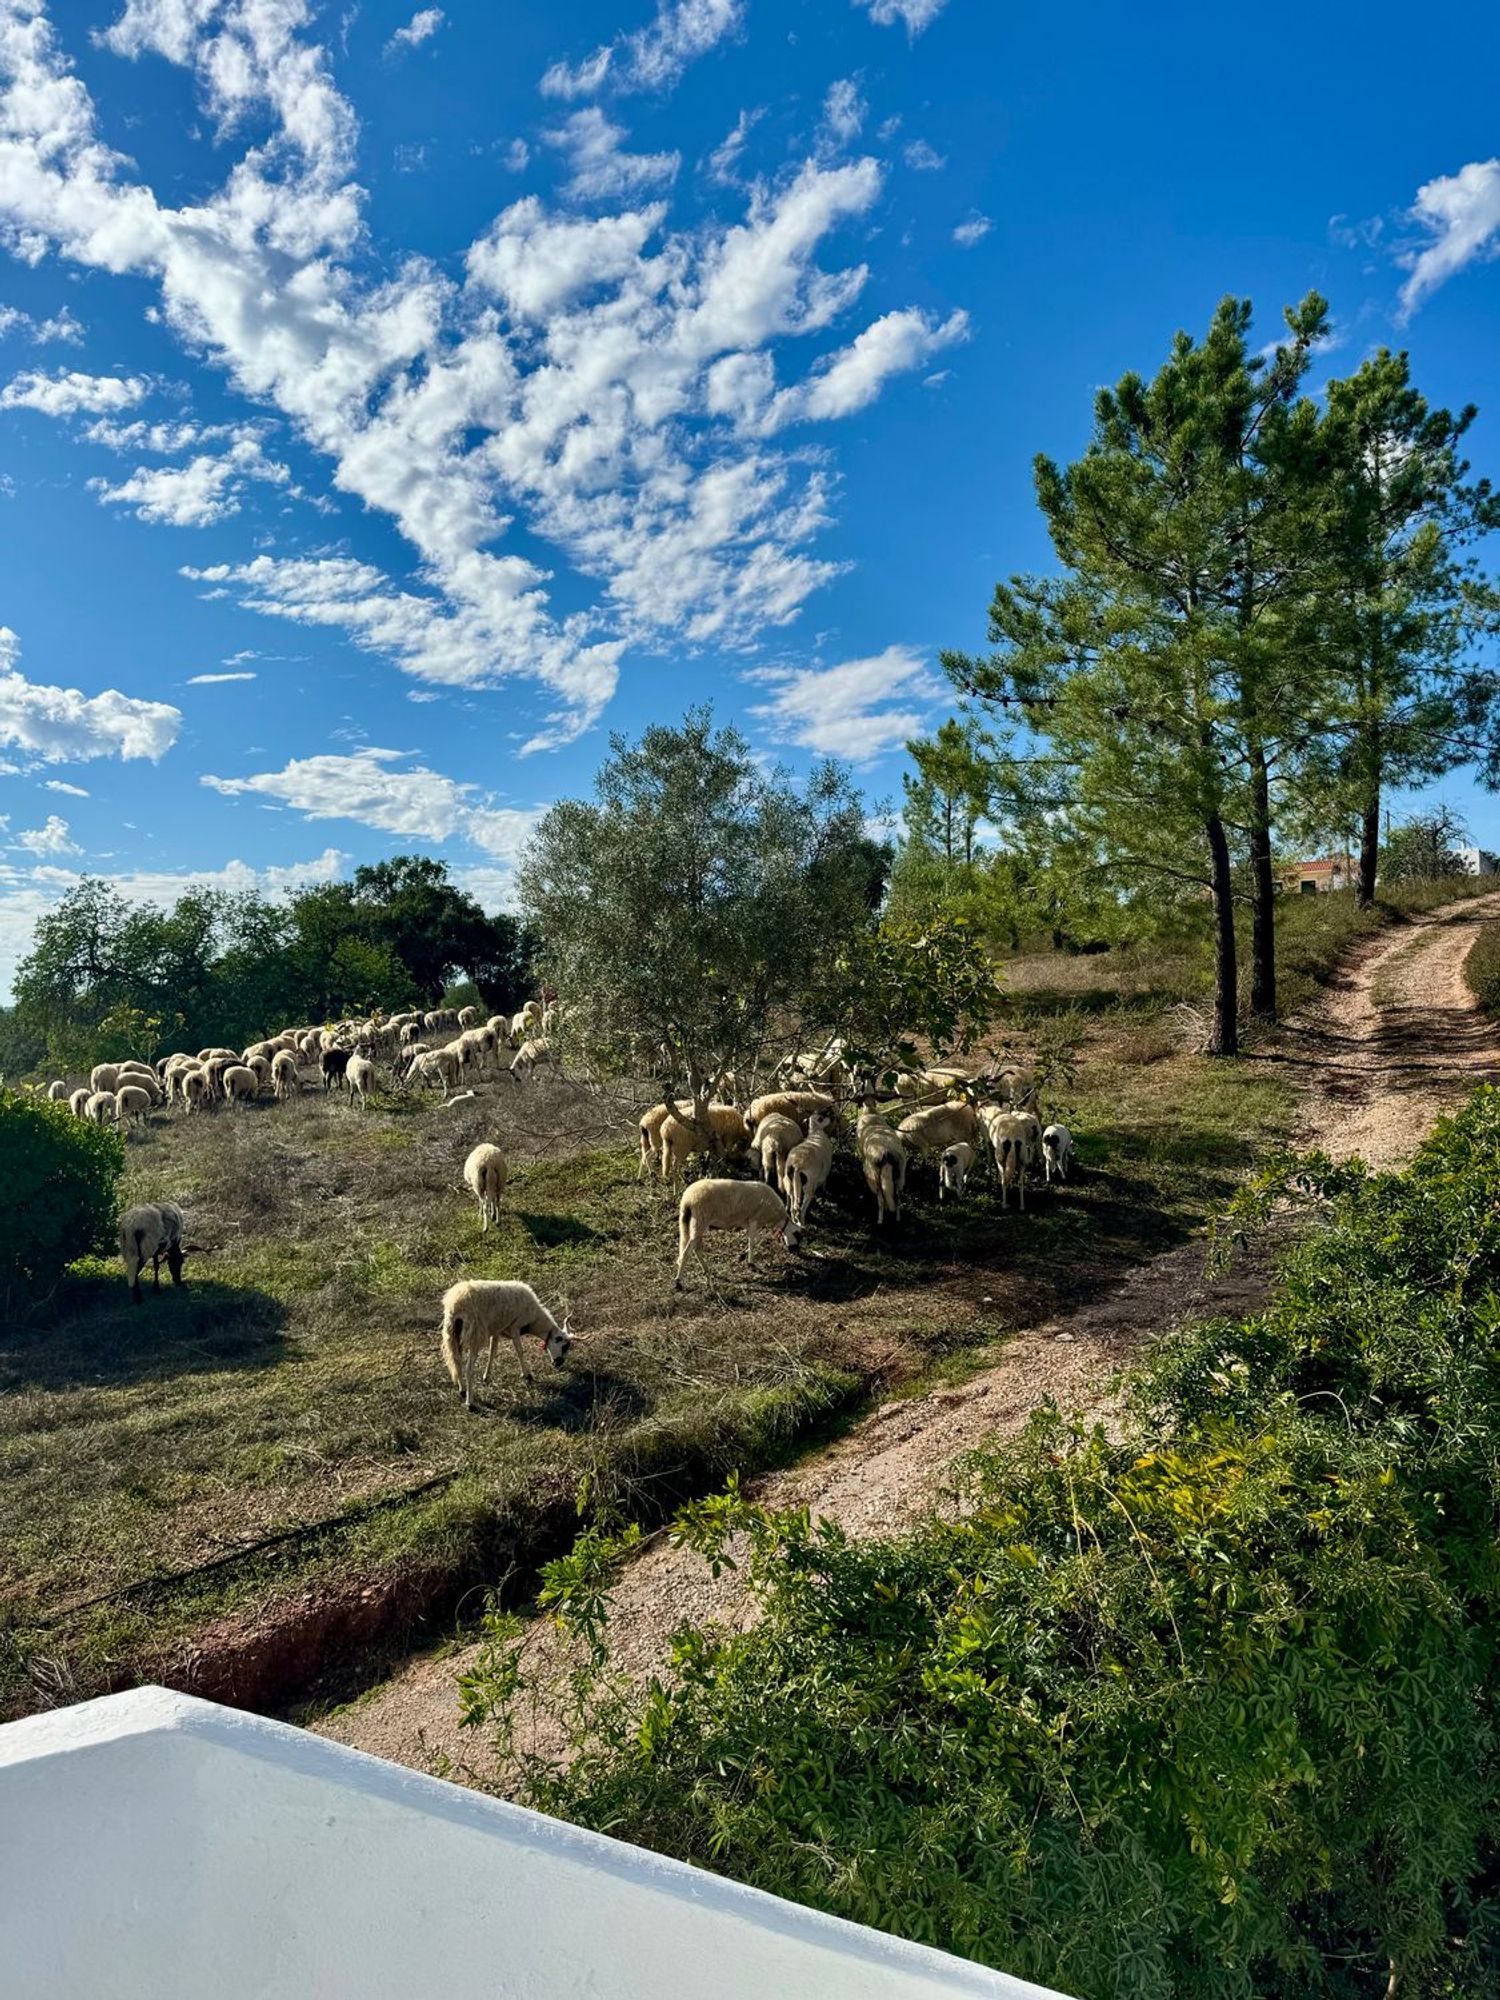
x=1263 y=892
x=1224 y=1039
x=1369 y=846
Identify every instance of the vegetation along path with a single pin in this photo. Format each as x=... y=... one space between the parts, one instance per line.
x=1394 y=1040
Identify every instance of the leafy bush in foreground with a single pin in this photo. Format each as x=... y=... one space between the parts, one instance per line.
x=58 y=1181
x=1203 y=1710
x=1482 y=969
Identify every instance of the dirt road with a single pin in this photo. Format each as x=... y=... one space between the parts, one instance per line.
x=1391 y=1044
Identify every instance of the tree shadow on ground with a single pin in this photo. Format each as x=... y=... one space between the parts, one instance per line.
x=97 y=1337
x=572 y=1398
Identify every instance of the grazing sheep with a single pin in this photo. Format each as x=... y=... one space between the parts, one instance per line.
x=132 y=1102
x=467 y=1016
x=747 y=1205
x=774 y=1139
x=537 y=1054
x=411 y=1031
x=239 y=1084
x=807 y=1166
x=360 y=1077
x=939 y=1126
x=435 y=1066
x=518 y=1027
x=1016 y=1140
x=723 y=1131
x=1057 y=1151
x=100 y=1109
x=883 y=1157
x=478 y=1312
x=58 y=1093
x=148 y=1232
x=953 y=1168
x=284 y=1078
x=798 y=1104
x=193 y=1088
x=78 y=1102
x=485 y=1175
x=103 y=1076
x=262 y=1068
x=648 y=1129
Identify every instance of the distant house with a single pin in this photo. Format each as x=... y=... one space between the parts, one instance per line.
x=1316 y=878
x=1477 y=861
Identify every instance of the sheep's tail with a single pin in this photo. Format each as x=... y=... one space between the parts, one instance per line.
x=888 y=1188
x=452 y=1343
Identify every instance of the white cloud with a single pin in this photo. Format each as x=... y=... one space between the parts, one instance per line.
x=652 y=58
x=422 y=26
x=591 y=427
x=915 y=15
x=844 y=111
x=58 y=785
x=60 y=326
x=848 y=711
x=742 y=386
x=13 y=320
x=517 y=156
x=973 y=231
x=1461 y=216
x=534 y=263
x=724 y=160
x=416 y=802
x=53 y=838
x=66 y=393
x=63 y=725
x=195 y=495
x=922 y=158
x=601 y=169
x=214 y=680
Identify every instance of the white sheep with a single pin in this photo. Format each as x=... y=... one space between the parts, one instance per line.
x=478 y=1312
x=939 y=1126
x=100 y=1109
x=648 y=1130
x=485 y=1175
x=807 y=1166
x=536 y=1054
x=435 y=1066
x=1057 y=1151
x=883 y=1157
x=284 y=1078
x=723 y=1130
x=103 y=1075
x=132 y=1102
x=798 y=1104
x=360 y=1079
x=1016 y=1141
x=467 y=1016
x=58 y=1093
x=953 y=1168
x=775 y=1137
x=149 y=1233
x=747 y=1205
x=238 y=1084
x=193 y=1088
x=78 y=1102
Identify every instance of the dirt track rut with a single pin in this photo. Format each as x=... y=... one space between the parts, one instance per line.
x=1394 y=1041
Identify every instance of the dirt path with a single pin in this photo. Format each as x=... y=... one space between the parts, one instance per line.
x=1392 y=1043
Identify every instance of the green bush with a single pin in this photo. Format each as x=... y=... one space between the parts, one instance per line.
x=1482 y=969
x=58 y=1193
x=1203 y=1709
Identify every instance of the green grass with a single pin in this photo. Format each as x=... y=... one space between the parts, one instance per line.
x=1482 y=969
x=294 y=1383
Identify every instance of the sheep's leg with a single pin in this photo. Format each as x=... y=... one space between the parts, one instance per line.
x=750 y=1247
x=518 y=1345
x=489 y=1360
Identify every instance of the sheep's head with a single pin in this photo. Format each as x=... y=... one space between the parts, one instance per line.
x=558 y=1342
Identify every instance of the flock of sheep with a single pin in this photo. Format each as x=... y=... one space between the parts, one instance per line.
x=789 y=1137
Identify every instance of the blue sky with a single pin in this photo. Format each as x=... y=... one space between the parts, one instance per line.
x=394 y=403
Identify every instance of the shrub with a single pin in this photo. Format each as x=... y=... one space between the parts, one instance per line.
x=1203 y=1709
x=58 y=1193
x=1482 y=969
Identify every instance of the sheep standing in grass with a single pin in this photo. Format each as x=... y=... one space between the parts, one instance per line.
x=883 y=1157
x=722 y=1130
x=467 y=1016
x=774 y=1139
x=798 y=1104
x=953 y=1169
x=808 y=1166
x=940 y=1126
x=239 y=1084
x=1016 y=1140
x=193 y=1087
x=147 y=1234
x=478 y=1312
x=1057 y=1151
x=78 y=1102
x=284 y=1079
x=360 y=1078
x=100 y=1109
x=533 y=1055
x=747 y=1205
x=485 y=1175
x=58 y=1093
x=103 y=1076
x=332 y=1064
x=132 y=1103
x=435 y=1067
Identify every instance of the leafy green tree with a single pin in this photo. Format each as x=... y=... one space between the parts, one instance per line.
x=1148 y=669
x=61 y=1176
x=689 y=908
x=887 y=988
x=1424 y=848
x=1402 y=598
x=435 y=930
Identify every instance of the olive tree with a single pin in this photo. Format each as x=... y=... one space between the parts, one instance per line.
x=688 y=910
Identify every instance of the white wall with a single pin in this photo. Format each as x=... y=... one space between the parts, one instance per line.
x=154 y=1847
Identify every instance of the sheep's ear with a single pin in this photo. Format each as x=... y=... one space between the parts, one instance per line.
x=567 y=1322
